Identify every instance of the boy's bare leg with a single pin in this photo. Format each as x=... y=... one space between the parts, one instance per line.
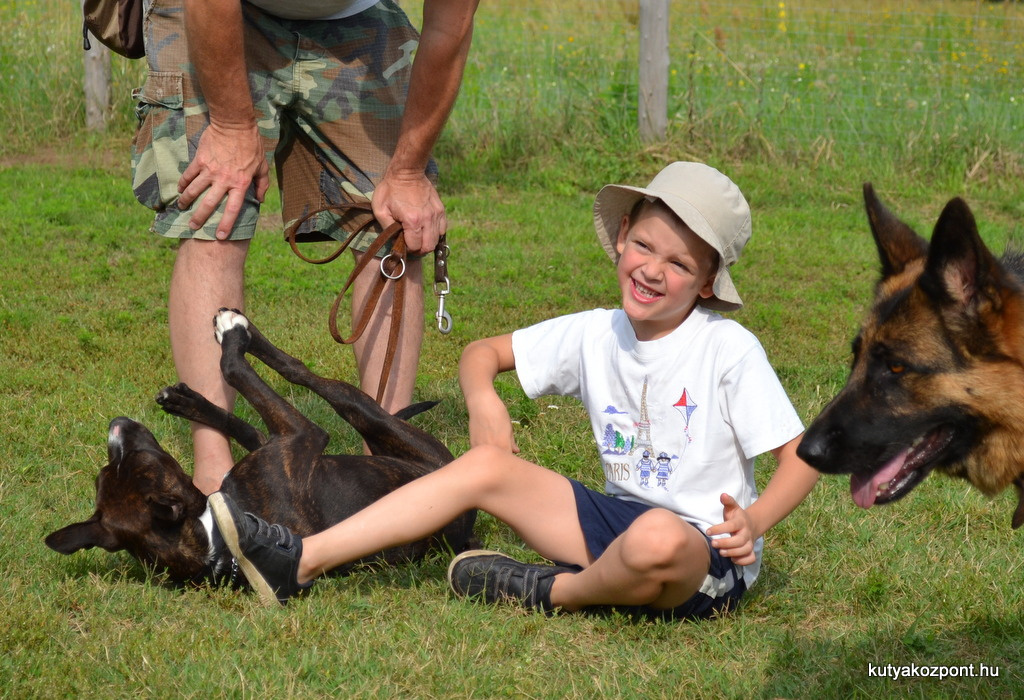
x=659 y=561
x=537 y=503
x=207 y=276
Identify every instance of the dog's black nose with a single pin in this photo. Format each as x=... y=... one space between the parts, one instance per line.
x=814 y=449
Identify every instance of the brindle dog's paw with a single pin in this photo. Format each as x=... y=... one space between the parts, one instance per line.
x=180 y=400
x=226 y=320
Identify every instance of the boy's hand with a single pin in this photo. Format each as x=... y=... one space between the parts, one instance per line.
x=737 y=523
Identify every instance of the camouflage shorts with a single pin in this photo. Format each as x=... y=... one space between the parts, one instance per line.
x=329 y=97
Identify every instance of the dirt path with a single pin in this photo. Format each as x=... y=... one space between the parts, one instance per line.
x=107 y=153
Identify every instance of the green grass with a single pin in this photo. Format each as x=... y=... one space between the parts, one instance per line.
x=83 y=339
x=932 y=580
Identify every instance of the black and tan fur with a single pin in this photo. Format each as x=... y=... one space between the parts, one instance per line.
x=938 y=367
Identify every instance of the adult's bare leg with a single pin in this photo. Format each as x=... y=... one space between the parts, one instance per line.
x=370 y=349
x=207 y=276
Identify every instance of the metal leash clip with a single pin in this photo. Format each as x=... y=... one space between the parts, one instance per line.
x=441 y=284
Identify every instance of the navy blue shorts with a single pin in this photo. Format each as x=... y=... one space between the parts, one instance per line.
x=603 y=518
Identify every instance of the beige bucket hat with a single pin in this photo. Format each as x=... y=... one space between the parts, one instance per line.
x=704 y=199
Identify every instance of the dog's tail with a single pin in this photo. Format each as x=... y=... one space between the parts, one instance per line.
x=415 y=409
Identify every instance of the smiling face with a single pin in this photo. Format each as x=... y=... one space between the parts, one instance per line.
x=663 y=269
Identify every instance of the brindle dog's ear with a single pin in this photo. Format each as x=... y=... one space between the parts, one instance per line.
x=897 y=243
x=1018 y=515
x=961 y=270
x=84 y=535
x=167 y=508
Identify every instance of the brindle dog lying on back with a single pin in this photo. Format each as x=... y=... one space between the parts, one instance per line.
x=938 y=367
x=147 y=505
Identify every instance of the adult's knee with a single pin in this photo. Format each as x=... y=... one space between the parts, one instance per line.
x=212 y=254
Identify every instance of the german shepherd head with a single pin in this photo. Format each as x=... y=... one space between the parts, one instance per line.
x=937 y=380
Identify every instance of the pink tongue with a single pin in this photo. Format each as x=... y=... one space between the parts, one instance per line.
x=864 y=488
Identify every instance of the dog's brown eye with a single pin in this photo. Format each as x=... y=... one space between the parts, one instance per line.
x=897 y=368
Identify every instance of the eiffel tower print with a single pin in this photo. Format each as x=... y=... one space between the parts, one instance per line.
x=643 y=426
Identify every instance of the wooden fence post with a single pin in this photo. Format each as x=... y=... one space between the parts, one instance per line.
x=96 y=85
x=652 y=107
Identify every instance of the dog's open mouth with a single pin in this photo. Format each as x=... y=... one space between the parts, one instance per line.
x=901 y=473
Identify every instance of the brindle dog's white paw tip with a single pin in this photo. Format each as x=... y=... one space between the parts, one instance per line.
x=225 y=320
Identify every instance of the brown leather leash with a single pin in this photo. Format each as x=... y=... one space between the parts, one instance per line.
x=392 y=270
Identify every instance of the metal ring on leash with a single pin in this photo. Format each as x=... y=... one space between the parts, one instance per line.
x=390 y=276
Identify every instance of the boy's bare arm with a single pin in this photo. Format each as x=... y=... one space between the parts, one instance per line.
x=489 y=421
x=788 y=487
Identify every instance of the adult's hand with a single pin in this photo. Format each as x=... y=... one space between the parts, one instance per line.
x=405 y=194
x=411 y=199
x=228 y=160
x=230 y=154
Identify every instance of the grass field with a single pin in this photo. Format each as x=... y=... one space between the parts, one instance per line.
x=933 y=581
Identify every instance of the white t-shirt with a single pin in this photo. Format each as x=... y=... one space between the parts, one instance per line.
x=679 y=420
x=313 y=9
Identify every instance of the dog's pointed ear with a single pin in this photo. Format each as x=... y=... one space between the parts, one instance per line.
x=960 y=270
x=84 y=535
x=167 y=507
x=897 y=243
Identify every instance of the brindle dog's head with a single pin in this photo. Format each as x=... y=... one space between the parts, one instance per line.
x=937 y=380
x=145 y=504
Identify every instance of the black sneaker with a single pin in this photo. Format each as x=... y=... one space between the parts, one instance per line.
x=268 y=554
x=493 y=577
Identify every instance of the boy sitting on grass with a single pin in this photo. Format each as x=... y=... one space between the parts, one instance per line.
x=681 y=402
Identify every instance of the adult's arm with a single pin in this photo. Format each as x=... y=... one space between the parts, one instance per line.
x=405 y=194
x=230 y=154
